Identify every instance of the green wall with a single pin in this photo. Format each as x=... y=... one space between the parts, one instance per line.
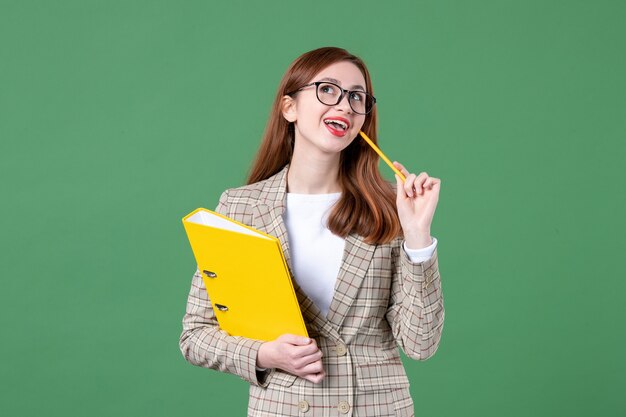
x=119 y=117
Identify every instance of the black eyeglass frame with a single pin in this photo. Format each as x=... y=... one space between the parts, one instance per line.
x=343 y=93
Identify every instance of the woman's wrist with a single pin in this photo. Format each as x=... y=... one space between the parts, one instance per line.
x=264 y=357
x=418 y=240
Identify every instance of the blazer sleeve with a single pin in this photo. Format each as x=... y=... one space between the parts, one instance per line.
x=203 y=343
x=416 y=311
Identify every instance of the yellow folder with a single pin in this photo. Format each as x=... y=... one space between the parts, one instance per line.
x=246 y=277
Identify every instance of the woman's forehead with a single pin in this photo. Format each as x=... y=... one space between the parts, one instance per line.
x=344 y=73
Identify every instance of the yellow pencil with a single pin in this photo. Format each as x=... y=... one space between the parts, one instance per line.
x=382 y=155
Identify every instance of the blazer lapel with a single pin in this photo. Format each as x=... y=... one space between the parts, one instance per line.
x=355 y=263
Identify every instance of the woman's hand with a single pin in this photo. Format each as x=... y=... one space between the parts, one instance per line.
x=417 y=200
x=297 y=355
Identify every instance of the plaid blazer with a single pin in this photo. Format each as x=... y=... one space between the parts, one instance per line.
x=382 y=300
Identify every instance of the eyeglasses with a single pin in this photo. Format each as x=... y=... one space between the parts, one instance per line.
x=331 y=94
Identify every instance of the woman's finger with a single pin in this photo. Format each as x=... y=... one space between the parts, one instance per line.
x=312 y=368
x=401 y=167
x=315 y=378
x=294 y=339
x=400 y=194
x=409 y=184
x=309 y=359
x=431 y=182
x=301 y=351
x=419 y=182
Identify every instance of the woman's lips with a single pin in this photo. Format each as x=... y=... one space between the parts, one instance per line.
x=336 y=132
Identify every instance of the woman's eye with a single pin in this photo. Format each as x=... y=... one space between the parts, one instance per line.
x=357 y=96
x=327 y=89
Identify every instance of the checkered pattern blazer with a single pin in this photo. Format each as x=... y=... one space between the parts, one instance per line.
x=382 y=300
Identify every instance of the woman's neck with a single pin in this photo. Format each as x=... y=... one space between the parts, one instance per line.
x=311 y=173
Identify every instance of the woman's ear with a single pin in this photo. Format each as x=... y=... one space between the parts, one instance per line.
x=288 y=106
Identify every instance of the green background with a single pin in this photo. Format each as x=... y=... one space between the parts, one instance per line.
x=119 y=117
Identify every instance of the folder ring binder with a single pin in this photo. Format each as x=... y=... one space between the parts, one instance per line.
x=210 y=274
x=221 y=307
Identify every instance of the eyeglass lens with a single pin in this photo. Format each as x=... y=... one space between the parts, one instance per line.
x=330 y=94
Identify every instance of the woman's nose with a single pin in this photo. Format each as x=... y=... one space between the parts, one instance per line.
x=344 y=104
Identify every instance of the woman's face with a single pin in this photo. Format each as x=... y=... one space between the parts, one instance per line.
x=328 y=129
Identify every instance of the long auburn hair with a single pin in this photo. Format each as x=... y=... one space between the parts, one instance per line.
x=368 y=203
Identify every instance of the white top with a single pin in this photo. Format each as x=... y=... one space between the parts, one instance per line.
x=316 y=253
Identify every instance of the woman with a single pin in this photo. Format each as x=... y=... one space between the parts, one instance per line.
x=361 y=255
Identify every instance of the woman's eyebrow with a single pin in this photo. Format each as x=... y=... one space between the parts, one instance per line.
x=334 y=80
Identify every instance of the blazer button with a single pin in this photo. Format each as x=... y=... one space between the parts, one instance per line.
x=341 y=349
x=343 y=407
x=303 y=406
